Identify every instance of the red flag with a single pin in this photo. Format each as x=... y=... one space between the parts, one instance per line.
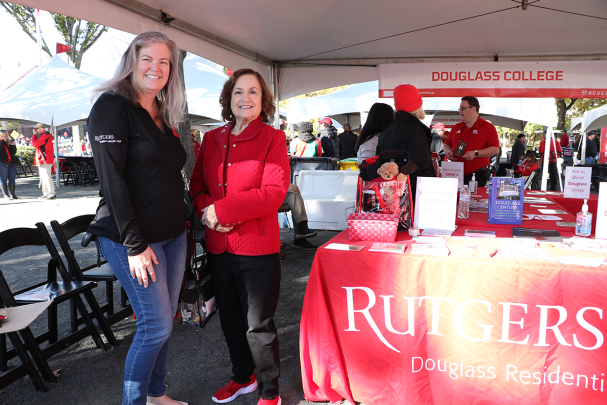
x=62 y=48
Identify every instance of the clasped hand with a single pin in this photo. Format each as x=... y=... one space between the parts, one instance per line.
x=209 y=218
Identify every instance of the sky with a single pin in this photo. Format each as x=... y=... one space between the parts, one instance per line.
x=21 y=53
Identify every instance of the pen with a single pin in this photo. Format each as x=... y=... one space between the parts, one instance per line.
x=494 y=253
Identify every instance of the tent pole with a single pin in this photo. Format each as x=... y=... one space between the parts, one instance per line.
x=56 y=147
x=274 y=70
x=583 y=140
x=546 y=157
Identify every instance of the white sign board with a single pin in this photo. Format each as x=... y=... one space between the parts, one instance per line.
x=554 y=79
x=600 y=232
x=435 y=203
x=453 y=170
x=577 y=182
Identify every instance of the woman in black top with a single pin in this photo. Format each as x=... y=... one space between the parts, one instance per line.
x=140 y=220
x=8 y=165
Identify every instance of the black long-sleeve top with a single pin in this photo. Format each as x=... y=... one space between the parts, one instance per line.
x=7 y=152
x=139 y=168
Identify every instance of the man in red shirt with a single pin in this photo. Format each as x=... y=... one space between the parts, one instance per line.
x=472 y=141
x=564 y=140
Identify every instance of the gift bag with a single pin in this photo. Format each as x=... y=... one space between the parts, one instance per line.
x=379 y=196
x=386 y=197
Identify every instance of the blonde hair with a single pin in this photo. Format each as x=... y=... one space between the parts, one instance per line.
x=171 y=99
x=419 y=113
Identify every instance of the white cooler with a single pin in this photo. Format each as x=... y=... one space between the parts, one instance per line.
x=329 y=196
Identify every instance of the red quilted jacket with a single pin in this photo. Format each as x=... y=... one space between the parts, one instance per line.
x=254 y=188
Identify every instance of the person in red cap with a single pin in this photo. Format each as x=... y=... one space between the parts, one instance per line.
x=331 y=145
x=407 y=132
x=473 y=142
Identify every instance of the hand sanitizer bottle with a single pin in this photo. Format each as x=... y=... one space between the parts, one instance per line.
x=473 y=184
x=583 y=222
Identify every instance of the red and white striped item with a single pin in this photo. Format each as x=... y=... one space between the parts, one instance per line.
x=372 y=227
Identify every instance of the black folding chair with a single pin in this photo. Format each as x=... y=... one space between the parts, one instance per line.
x=100 y=271
x=59 y=291
x=26 y=314
x=24 y=168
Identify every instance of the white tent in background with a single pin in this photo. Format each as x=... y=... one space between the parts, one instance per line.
x=347 y=105
x=56 y=94
x=594 y=119
x=576 y=123
x=203 y=82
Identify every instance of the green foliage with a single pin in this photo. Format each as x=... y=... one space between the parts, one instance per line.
x=27 y=152
x=568 y=108
x=78 y=34
x=508 y=136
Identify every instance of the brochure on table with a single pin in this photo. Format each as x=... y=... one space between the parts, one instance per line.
x=435 y=203
x=600 y=232
x=453 y=170
x=577 y=182
x=506 y=197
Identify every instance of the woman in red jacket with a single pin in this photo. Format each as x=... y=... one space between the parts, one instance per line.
x=527 y=165
x=239 y=182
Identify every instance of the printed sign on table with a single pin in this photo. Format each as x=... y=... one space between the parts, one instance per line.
x=577 y=182
x=600 y=232
x=453 y=170
x=435 y=203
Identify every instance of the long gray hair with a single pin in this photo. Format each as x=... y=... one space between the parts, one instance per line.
x=171 y=99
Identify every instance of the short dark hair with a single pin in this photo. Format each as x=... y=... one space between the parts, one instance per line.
x=306 y=126
x=520 y=136
x=472 y=102
x=225 y=99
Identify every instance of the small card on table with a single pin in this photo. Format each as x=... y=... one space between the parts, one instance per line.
x=343 y=246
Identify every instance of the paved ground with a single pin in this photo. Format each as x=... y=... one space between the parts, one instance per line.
x=198 y=361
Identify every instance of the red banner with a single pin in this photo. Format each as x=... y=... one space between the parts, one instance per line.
x=466 y=329
x=603 y=154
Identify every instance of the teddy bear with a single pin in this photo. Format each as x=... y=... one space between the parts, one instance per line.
x=389 y=170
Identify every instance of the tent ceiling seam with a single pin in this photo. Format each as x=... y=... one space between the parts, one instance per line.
x=374 y=62
x=162 y=17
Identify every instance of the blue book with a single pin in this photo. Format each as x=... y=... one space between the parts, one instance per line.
x=506 y=201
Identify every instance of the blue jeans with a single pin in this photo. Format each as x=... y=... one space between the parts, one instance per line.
x=7 y=173
x=589 y=160
x=155 y=308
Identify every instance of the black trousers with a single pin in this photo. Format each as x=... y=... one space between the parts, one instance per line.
x=247 y=289
x=481 y=176
x=554 y=175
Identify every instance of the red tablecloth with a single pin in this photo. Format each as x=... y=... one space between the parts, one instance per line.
x=479 y=220
x=385 y=328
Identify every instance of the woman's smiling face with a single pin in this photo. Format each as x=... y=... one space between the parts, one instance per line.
x=246 y=98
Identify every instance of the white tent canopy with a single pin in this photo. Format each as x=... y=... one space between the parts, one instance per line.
x=508 y=112
x=594 y=119
x=55 y=94
x=312 y=50
x=203 y=82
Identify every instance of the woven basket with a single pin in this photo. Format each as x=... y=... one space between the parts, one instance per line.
x=372 y=227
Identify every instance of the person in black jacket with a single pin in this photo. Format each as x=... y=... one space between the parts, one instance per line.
x=141 y=219
x=331 y=145
x=518 y=151
x=348 y=139
x=408 y=133
x=8 y=165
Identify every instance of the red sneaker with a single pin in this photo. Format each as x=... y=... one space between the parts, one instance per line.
x=275 y=401
x=232 y=390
